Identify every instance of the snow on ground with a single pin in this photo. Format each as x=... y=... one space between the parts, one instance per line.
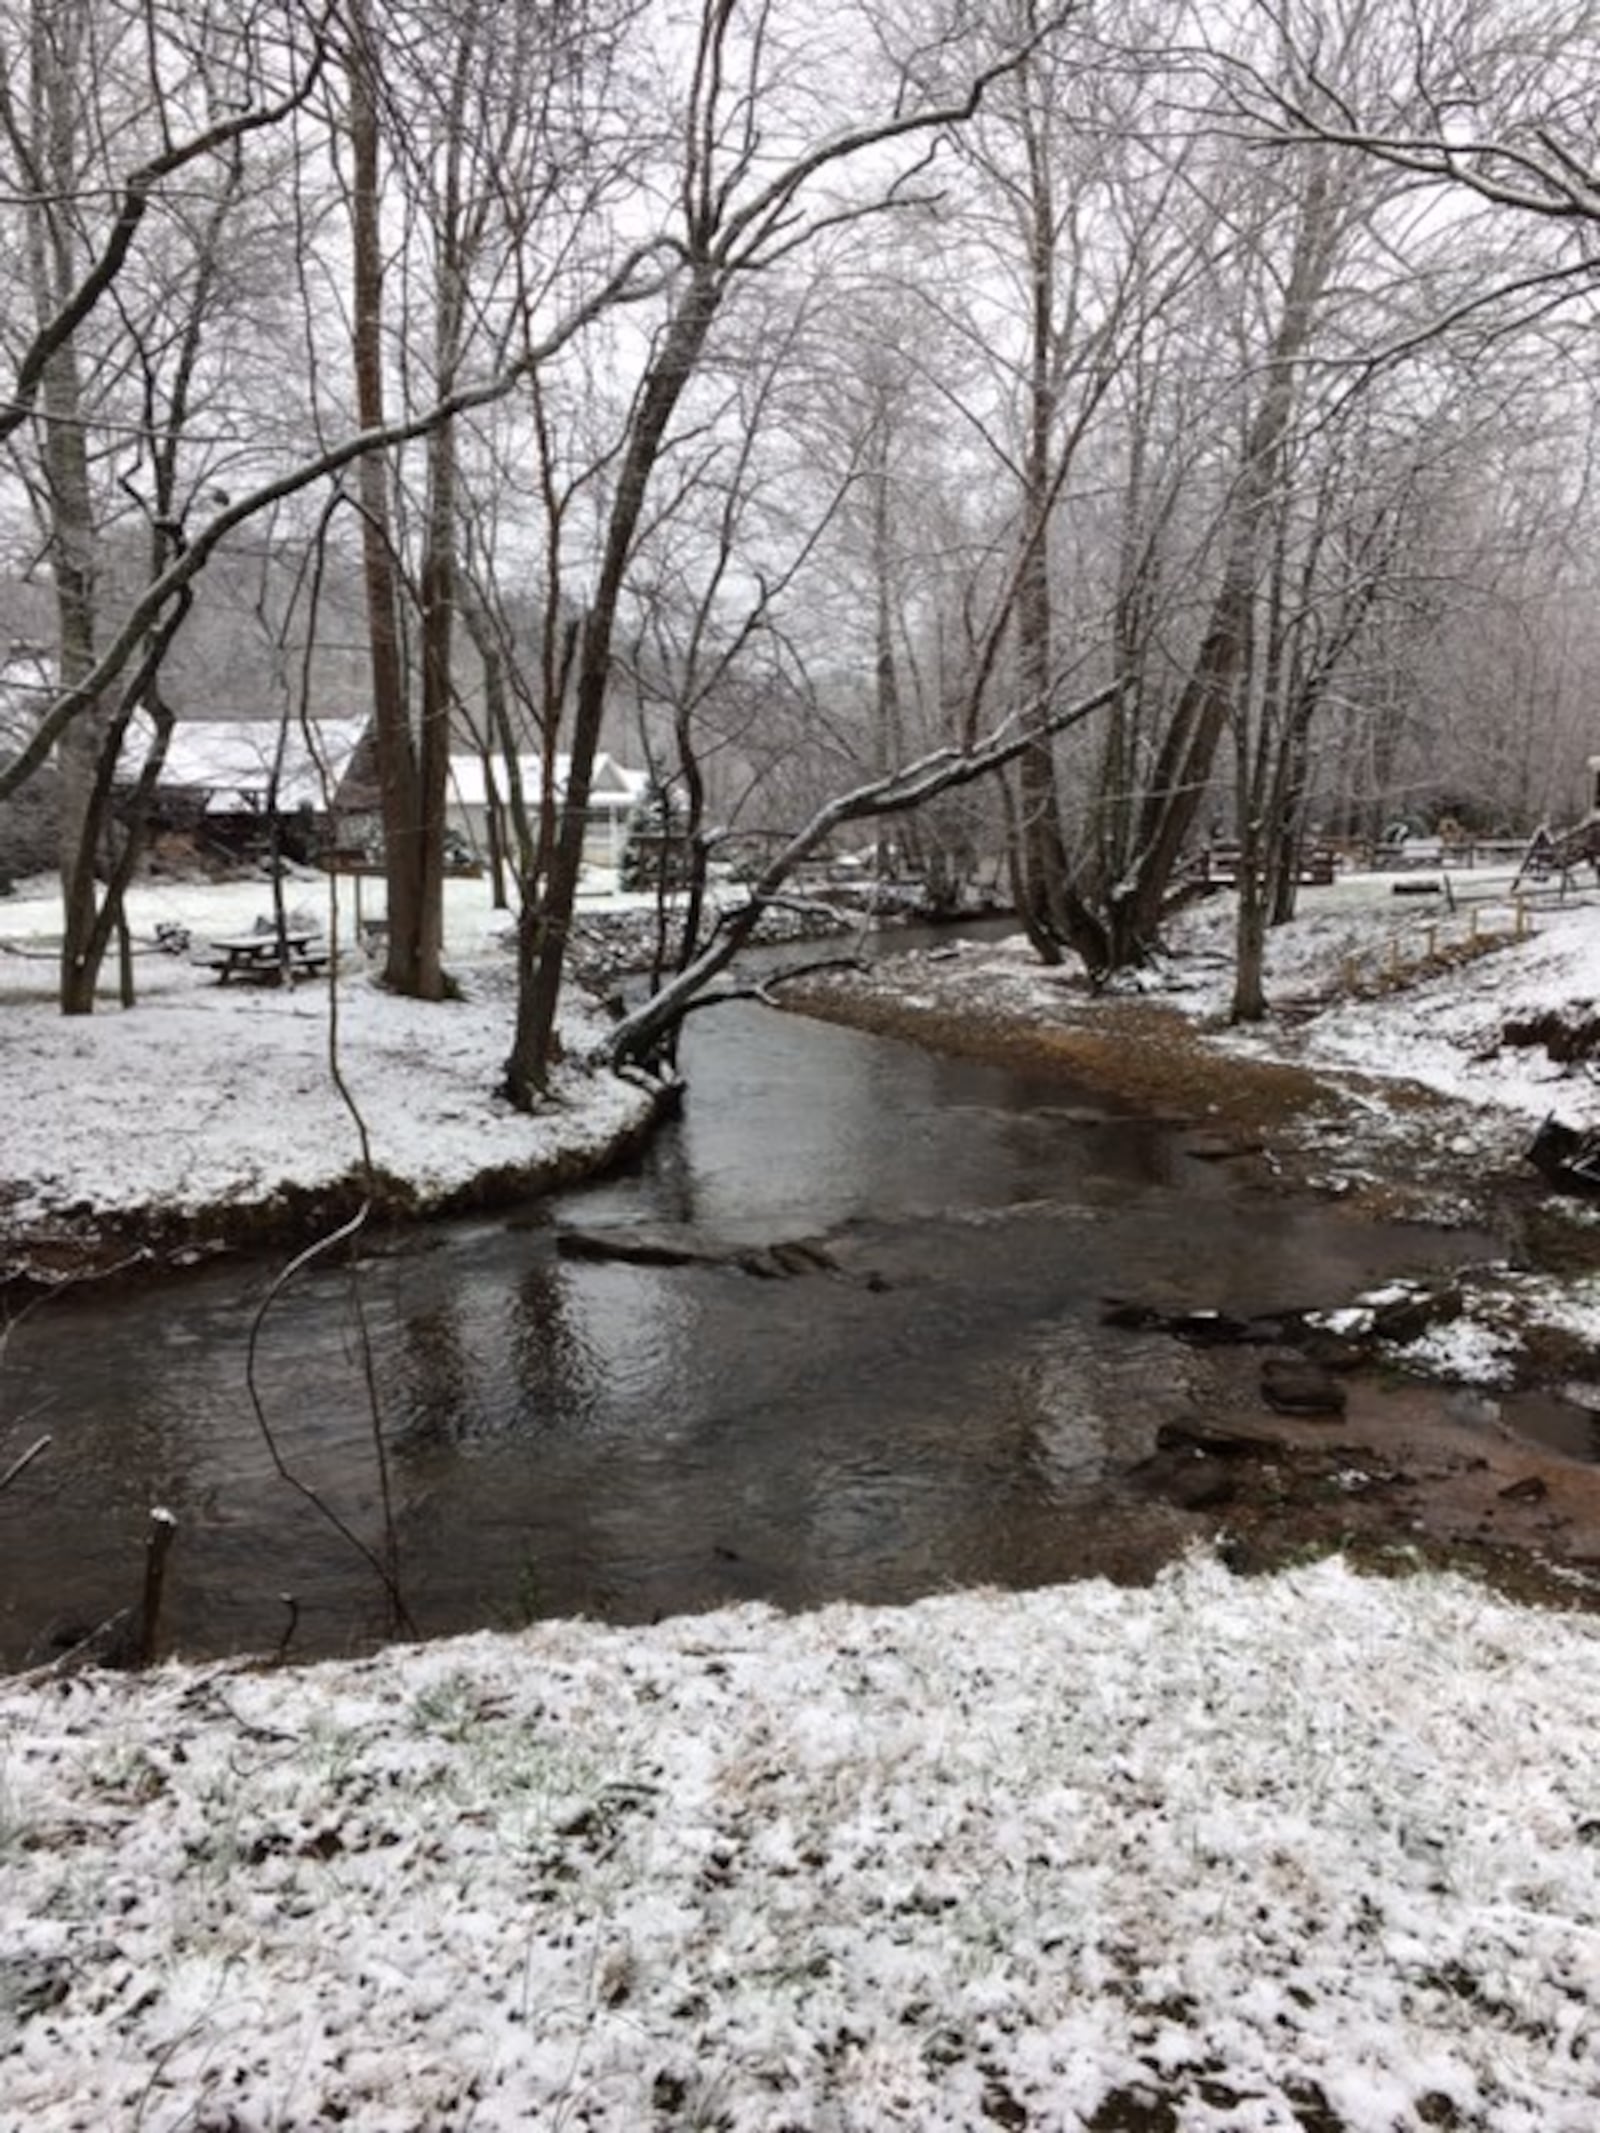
x=210 y=1094
x=1308 y=1851
x=214 y=1093
x=1360 y=956
x=1444 y=1030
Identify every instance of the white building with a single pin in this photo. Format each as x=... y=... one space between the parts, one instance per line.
x=614 y=792
x=252 y=766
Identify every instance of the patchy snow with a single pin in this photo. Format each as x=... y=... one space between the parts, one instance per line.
x=1384 y=1007
x=1445 y=1031
x=1310 y=1849
x=1577 y=1309
x=209 y=1094
x=1466 y=1351
x=1421 y=997
x=1392 y=1000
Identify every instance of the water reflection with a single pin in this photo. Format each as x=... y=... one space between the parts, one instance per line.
x=555 y=1375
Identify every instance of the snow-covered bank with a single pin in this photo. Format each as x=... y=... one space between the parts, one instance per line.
x=1310 y=1851
x=1373 y=986
x=1385 y=1010
x=213 y=1096
x=212 y=1100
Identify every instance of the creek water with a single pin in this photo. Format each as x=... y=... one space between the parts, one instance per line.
x=568 y=1436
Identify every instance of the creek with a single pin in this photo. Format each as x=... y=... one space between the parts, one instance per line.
x=565 y=1436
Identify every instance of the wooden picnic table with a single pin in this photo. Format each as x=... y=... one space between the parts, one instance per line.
x=265 y=956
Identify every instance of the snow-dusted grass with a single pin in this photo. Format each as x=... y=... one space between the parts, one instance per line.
x=210 y=1095
x=1443 y=1031
x=1311 y=1843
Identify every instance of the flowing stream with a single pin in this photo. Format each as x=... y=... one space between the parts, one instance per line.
x=622 y=1440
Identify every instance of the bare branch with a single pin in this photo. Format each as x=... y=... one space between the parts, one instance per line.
x=138 y=190
x=20 y=1464
x=620 y=287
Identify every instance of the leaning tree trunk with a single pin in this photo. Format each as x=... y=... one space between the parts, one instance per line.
x=544 y=939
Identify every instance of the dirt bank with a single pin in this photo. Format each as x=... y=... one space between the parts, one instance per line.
x=1147 y=1054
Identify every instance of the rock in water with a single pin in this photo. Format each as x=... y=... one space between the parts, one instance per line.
x=1295 y=1387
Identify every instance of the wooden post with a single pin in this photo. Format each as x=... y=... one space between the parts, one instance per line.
x=158 y=1543
x=1432 y=938
x=1519 y=905
x=1472 y=925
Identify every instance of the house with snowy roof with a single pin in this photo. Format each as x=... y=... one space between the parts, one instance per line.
x=227 y=781
x=480 y=795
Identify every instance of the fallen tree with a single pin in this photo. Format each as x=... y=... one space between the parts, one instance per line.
x=640 y=1037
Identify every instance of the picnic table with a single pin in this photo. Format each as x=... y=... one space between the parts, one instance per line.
x=264 y=957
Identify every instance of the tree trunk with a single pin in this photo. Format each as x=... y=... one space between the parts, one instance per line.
x=889 y=730
x=544 y=935
x=399 y=794
x=79 y=750
x=497 y=721
x=55 y=117
x=438 y=633
x=1043 y=870
x=1250 y=948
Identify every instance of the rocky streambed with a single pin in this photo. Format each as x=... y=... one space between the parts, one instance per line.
x=1450 y=1419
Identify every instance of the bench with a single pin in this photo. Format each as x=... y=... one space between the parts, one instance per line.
x=266 y=958
x=1316 y=865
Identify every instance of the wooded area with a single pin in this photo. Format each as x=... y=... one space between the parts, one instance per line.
x=1072 y=431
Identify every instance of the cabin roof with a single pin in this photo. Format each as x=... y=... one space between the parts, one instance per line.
x=611 y=785
x=232 y=761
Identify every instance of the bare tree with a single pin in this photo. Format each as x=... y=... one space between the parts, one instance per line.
x=130 y=649
x=641 y=1037
x=736 y=216
x=483 y=125
x=1079 y=221
x=109 y=365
